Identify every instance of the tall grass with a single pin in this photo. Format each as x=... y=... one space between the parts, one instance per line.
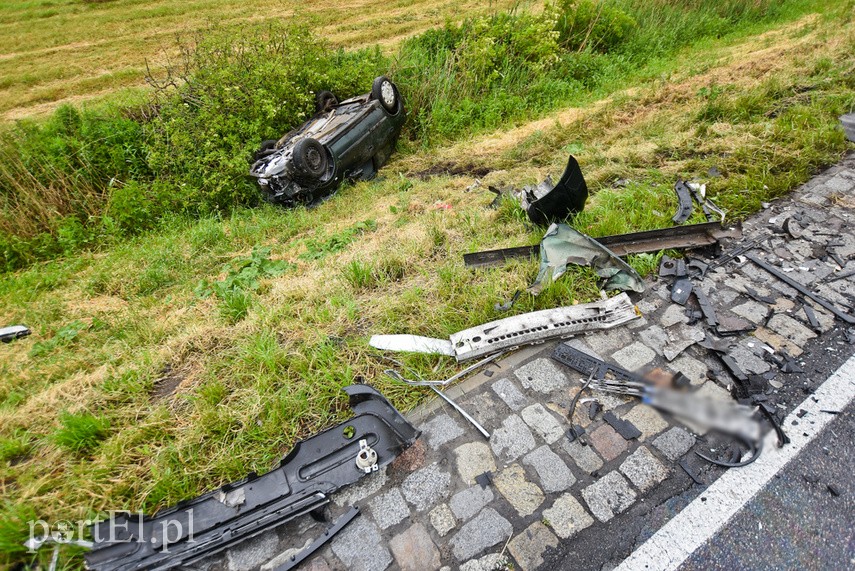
x=86 y=178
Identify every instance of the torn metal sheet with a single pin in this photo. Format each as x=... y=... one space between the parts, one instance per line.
x=316 y=467
x=413 y=344
x=295 y=560
x=562 y=245
x=540 y=326
x=548 y=202
x=674 y=238
x=842 y=315
x=684 y=200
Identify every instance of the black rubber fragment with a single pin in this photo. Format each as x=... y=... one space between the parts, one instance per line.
x=684 y=464
x=623 y=427
x=484 y=479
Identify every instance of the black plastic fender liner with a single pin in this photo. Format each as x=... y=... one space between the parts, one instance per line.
x=313 y=469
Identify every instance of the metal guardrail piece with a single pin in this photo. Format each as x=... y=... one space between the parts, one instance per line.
x=541 y=326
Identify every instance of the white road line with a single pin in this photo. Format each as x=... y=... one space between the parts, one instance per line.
x=669 y=547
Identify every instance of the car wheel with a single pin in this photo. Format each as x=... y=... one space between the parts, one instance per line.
x=324 y=101
x=265 y=149
x=310 y=159
x=384 y=91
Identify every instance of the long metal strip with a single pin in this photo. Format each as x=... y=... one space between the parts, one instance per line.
x=541 y=326
x=676 y=237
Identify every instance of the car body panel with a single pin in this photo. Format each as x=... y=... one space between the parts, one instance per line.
x=358 y=134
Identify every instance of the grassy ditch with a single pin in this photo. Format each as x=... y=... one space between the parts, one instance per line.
x=84 y=179
x=189 y=354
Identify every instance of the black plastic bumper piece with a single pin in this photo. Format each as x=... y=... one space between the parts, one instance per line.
x=315 y=468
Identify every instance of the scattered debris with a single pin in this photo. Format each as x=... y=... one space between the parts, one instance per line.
x=848 y=123
x=9 y=334
x=684 y=464
x=835 y=491
x=519 y=330
x=771 y=300
x=548 y=202
x=848 y=318
x=674 y=238
x=811 y=317
x=562 y=245
x=484 y=480
x=315 y=468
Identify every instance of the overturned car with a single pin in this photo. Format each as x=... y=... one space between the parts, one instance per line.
x=347 y=140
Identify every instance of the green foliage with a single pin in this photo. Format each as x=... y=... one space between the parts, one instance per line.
x=317 y=249
x=65 y=335
x=81 y=433
x=244 y=274
x=591 y=24
x=14 y=529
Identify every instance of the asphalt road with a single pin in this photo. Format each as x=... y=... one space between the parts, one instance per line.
x=796 y=521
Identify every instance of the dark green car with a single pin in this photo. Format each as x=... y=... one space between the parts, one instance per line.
x=347 y=140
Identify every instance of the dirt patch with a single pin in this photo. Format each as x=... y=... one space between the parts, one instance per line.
x=451 y=168
x=168 y=383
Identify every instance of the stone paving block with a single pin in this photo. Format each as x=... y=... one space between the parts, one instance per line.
x=360 y=546
x=484 y=531
x=543 y=423
x=426 y=487
x=777 y=342
x=643 y=469
x=528 y=547
x=468 y=502
x=605 y=342
x=609 y=496
x=674 y=443
x=491 y=562
x=584 y=456
x=753 y=311
x=567 y=517
x=710 y=390
x=440 y=430
x=442 y=519
x=367 y=486
x=473 y=459
x=389 y=508
x=680 y=338
x=554 y=474
x=648 y=306
x=634 y=357
x=747 y=360
x=608 y=442
x=512 y=439
x=647 y=420
x=673 y=315
x=541 y=375
x=414 y=550
x=723 y=297
x=252 y=553
x=523 y=495
x=695 y=370
x=654 y=337
x=509 y=393
x=485 y=408
x=791 y=329
x=840 y=184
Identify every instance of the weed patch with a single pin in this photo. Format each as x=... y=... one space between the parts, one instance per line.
x=80 y=433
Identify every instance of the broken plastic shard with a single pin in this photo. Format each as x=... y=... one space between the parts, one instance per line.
x=562 y=245
x=681 y=290
x=684 y=198
x=413 y=343
x=547 y=202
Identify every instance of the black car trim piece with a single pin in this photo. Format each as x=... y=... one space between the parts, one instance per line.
x=591 y=366
x=684 y=198
x=313 y=469
x=802 y=289
x=328 y=534
x=674 y=238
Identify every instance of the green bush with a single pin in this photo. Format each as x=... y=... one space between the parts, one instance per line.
x=591 y=24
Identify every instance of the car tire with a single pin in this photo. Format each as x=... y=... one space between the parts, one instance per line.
x=264 y=149
x=324 y=100
x=310 y=159
x=384 y=91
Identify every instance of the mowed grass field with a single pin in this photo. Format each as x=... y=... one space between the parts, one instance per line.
x=56 y=51
x=138 y=390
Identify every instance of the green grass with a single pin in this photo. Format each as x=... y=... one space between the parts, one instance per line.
x=253 y=374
